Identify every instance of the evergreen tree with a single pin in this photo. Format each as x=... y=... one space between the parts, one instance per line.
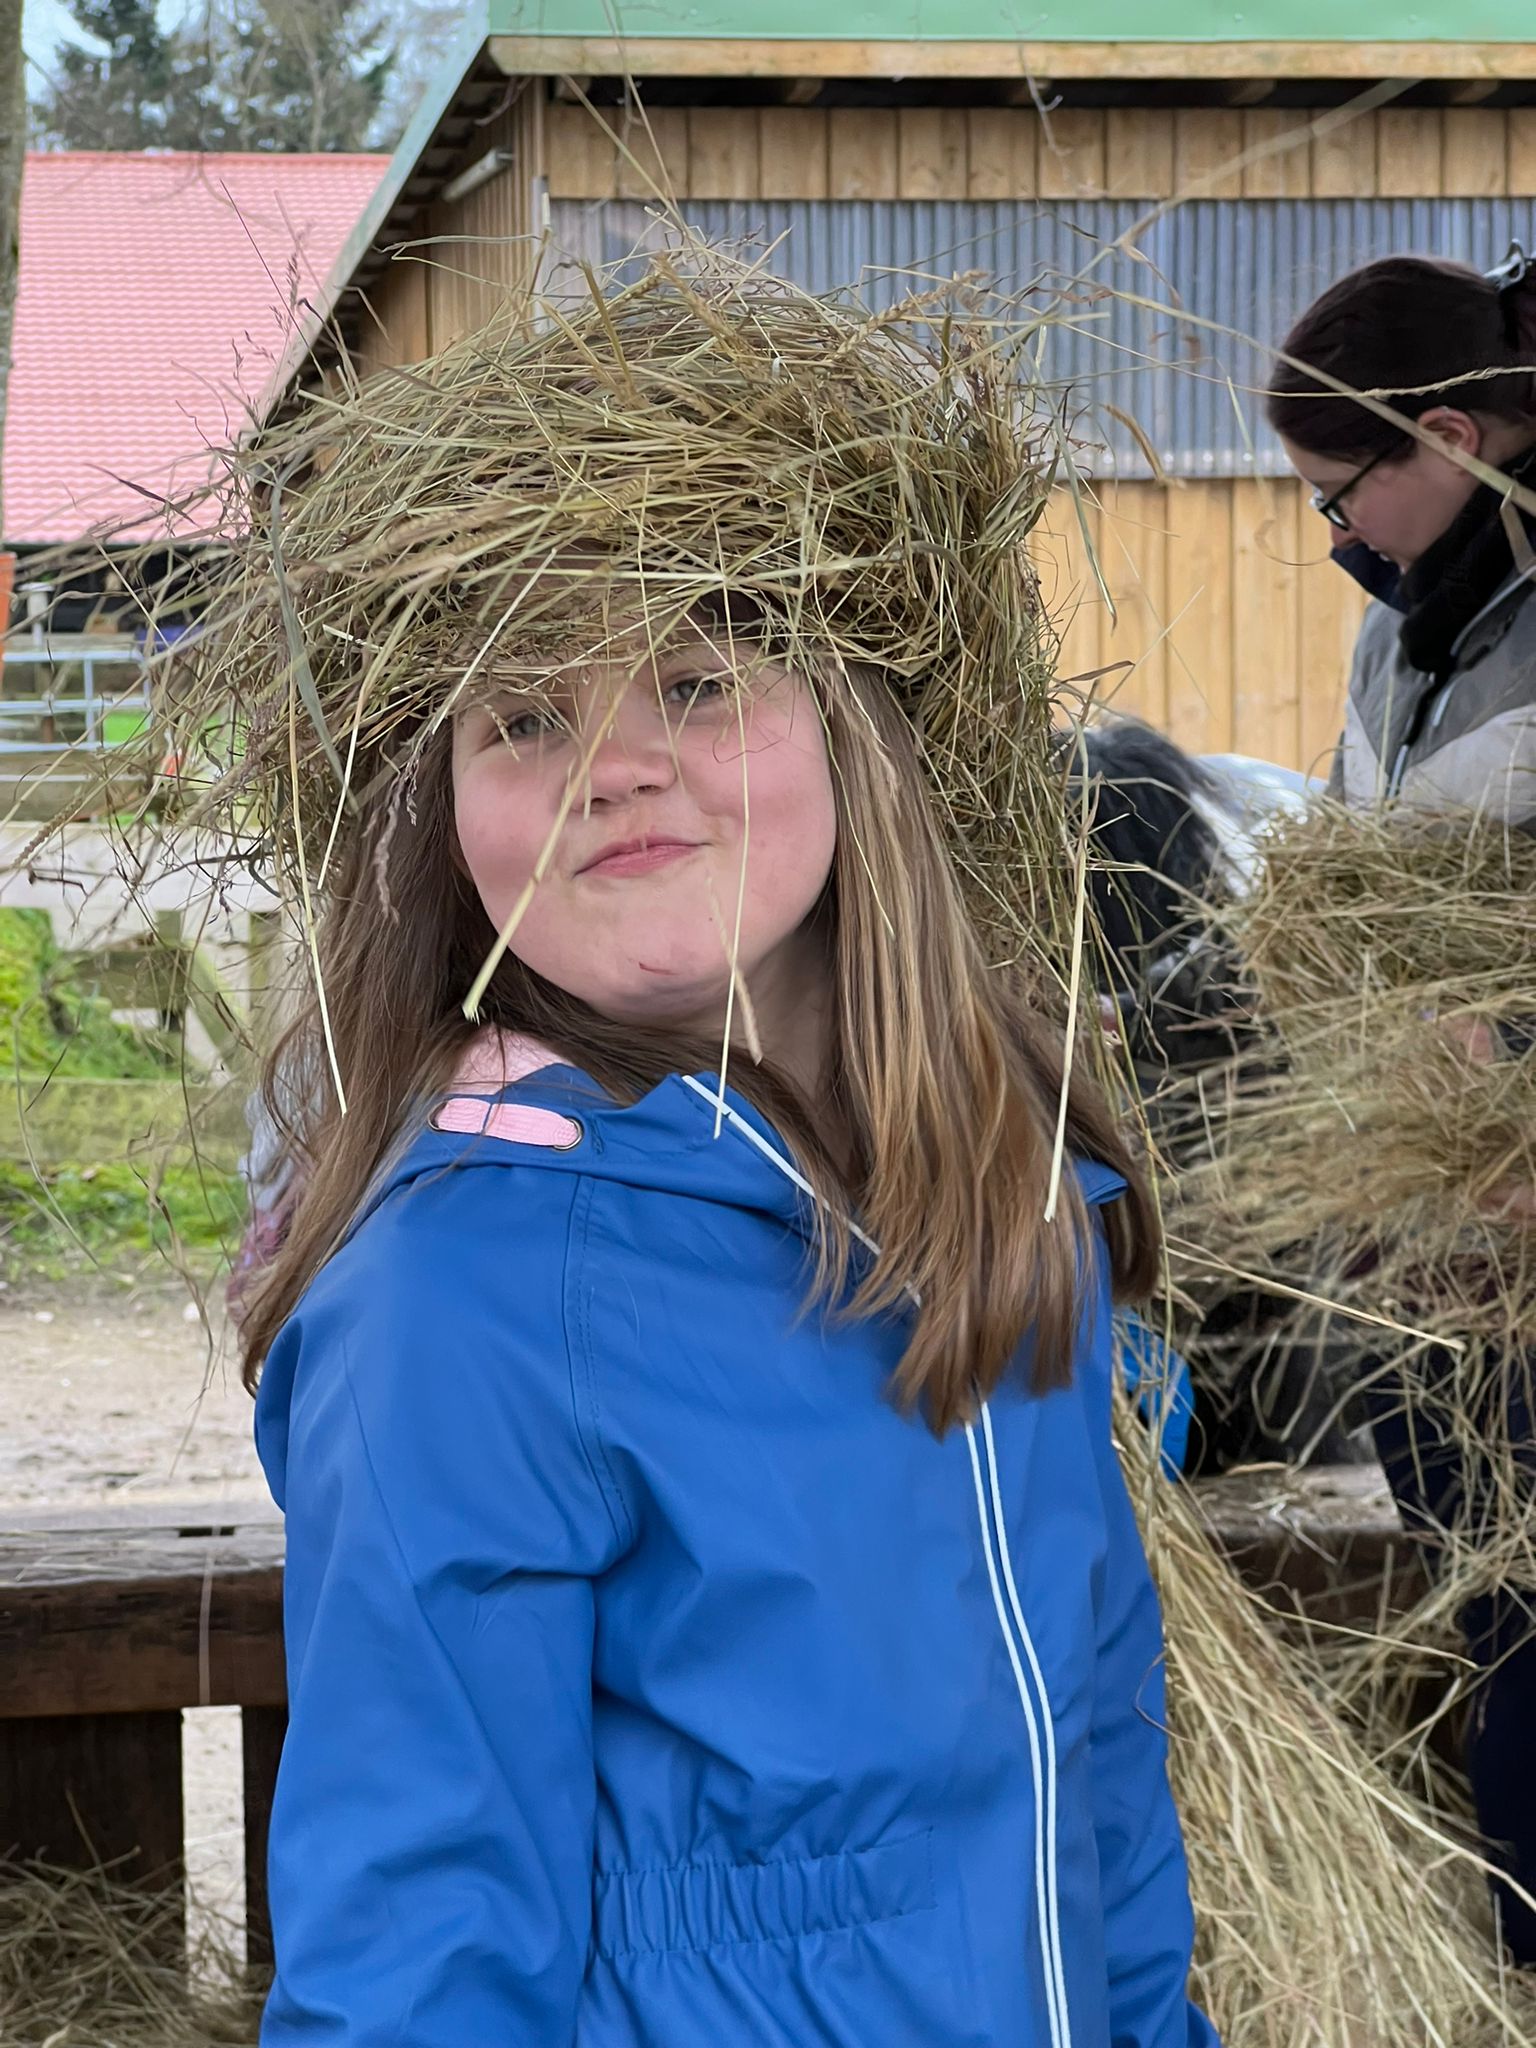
x=135 y=97
x=304 y=75
x=280 y=75
x=424 y=33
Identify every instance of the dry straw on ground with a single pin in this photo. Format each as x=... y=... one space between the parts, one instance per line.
x=89 y=1962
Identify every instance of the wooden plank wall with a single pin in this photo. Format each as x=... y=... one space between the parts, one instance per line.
x=1231 y=631
x=1010 y=152
x=456 y=273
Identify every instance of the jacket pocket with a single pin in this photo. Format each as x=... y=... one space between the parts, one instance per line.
x=693 y=1906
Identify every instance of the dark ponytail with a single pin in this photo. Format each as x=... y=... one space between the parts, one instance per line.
x=1416 y=332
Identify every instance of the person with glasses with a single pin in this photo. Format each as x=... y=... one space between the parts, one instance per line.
x=1442 y=698
x=1441 y=719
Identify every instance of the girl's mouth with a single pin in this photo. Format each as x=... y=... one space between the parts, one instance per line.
x=639 y=856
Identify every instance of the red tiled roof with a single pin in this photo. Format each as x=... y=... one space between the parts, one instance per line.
x=154 y=301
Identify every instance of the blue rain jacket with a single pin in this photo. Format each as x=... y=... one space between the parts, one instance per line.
x=653 y=1682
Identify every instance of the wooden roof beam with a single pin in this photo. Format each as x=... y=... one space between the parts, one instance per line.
x=761 y=57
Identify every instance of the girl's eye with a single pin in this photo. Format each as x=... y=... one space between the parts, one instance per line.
x=519 y=727
x=691 y=690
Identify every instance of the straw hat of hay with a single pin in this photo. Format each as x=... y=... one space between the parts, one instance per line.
x=862 y=486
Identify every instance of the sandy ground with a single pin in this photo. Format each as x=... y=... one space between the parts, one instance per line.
x=135 y=1399
x=109 y=1399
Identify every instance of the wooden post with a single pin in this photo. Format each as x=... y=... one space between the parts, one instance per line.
x=168 y=938
x=261 y=1745
x=265 y=978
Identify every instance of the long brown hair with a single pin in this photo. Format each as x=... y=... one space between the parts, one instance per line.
x=946 y=1075
x=1416 y=332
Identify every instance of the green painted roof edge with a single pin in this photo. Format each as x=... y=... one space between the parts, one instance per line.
x=1045 y=21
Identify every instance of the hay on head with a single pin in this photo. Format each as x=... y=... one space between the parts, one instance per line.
x=861 y=488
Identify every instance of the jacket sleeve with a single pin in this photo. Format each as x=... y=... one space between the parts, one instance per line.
x=1144 y=1881
x=432 y=1836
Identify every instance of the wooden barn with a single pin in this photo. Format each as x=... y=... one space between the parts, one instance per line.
x=1260 y=165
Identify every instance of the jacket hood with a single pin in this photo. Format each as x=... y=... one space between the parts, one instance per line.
x=514 y=1102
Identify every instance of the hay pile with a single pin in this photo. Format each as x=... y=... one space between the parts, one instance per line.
x=1332 y=1908
x=88 y=1962
x=1395 y=965
x=1381 y=1157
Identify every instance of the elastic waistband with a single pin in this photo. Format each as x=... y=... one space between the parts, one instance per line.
x=710 y=1905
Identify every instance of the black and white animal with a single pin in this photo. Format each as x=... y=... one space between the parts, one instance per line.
x=1171 y=839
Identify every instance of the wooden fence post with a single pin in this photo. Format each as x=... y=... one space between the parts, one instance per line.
x=261 y=1745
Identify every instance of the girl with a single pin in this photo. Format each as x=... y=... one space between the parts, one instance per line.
x=715 y=1614
x=1441 y=717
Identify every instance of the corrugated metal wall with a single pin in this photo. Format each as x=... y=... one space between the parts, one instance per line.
x=1247 y=266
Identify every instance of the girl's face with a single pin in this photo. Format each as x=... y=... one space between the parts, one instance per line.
x=699 y=824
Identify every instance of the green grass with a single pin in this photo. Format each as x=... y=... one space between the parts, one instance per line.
x=48 y=1025
x=96 y=1212
x=67 y=1220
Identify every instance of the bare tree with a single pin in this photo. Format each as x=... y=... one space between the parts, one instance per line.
x=13 y=156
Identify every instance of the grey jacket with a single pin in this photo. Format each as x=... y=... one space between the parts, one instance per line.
x=1465 y=743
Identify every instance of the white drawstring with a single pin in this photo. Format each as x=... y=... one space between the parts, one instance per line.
x=753 y=1137
x=1044 y=1776
x=1045 y=1864
x=1055 y=1967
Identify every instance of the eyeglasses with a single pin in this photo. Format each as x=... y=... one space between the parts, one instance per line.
x=1332 y=507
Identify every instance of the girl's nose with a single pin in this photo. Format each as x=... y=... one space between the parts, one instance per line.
x=636 y=751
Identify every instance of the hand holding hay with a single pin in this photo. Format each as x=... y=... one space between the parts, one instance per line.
x=1378 y=1167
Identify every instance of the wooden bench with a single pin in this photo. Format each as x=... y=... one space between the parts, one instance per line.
x=113 y=1622
x=1325 y=1542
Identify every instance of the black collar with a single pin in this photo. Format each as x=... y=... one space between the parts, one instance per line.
x=1455 y=577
